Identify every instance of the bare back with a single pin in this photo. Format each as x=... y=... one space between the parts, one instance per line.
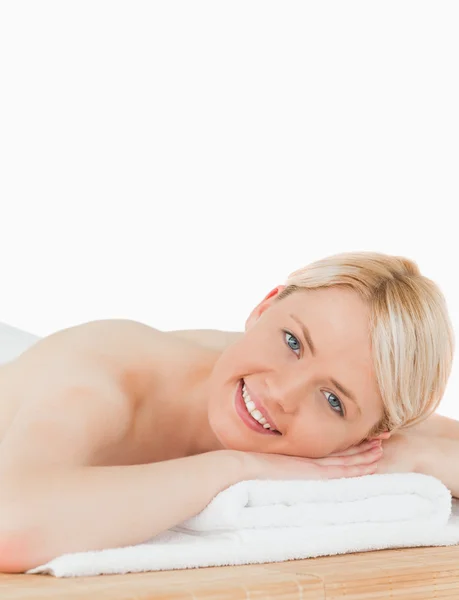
x=138 y=359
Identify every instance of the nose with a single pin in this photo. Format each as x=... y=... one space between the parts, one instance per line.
x=291 y=390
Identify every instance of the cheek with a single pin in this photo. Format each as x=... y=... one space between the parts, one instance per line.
x=255 y=353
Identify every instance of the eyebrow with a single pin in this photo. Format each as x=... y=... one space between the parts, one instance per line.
x=313 y=349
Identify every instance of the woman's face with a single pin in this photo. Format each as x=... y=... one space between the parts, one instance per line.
x=292 y=382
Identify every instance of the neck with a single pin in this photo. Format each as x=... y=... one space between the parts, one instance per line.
x=188 y=397
x=190 y=393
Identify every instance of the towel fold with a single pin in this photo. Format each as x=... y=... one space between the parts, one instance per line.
x=271 y=521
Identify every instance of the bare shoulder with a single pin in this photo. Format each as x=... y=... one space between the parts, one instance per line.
x=111 y=359
x=109 y=335
x=209 y=338
x=80 y=396
x=124 y=352
x=112 y=346
x=437 y=426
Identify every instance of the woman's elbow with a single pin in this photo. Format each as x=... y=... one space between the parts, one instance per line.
x=19 y=542
x=18 y=551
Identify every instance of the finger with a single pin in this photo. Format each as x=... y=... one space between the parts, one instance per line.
x=363 y=447
x=338 y=472
x=351 y=459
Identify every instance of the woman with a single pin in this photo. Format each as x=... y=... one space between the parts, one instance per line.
x=112 y=431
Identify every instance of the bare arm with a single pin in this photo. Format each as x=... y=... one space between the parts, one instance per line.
x=439 y=457
x=431 y=448
x=92 y=508
x=439 y=450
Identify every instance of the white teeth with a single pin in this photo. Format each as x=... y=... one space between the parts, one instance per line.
x=253 y=411
x=250 y=405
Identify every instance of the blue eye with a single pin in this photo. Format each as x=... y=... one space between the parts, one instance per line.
x=335 y=403
x=294 y=338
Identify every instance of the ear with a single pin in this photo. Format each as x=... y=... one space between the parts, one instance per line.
x=264 y=305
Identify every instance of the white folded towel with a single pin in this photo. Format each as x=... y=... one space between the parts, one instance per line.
x=271 y=521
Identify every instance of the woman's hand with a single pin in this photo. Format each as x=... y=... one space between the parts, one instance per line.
x=353 y=462
x=402 y=452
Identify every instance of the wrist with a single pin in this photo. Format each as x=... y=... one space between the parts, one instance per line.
x=232 y=466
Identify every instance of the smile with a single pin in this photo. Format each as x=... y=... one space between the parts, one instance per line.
x=249 y=414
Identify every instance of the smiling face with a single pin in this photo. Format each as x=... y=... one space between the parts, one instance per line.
x=293 y=378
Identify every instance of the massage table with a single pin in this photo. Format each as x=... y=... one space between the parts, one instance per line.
x=406 y=573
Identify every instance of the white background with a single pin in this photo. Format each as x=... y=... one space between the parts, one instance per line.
x=172 y=161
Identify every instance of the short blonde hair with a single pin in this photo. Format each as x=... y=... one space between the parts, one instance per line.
x=410 y=329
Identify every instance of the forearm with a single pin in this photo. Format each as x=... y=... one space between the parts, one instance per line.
x=93 y=508
x=440 y=458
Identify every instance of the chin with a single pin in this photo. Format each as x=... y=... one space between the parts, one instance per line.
x=224 y=433
x=227 y=434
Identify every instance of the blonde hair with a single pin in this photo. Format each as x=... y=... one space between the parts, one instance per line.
x=410 y=329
